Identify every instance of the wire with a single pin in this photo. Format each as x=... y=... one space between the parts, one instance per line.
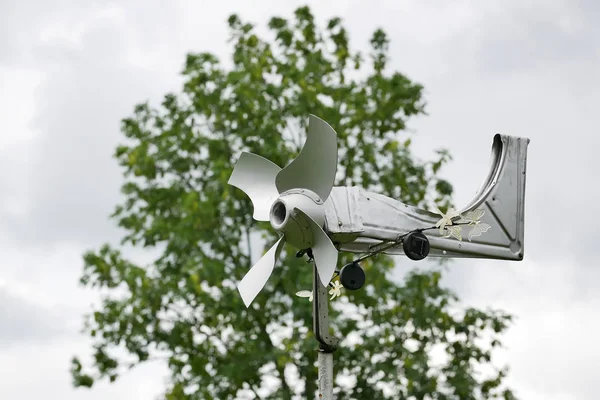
x=394 y=243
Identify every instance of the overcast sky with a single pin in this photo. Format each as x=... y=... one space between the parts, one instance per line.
x=70 y=70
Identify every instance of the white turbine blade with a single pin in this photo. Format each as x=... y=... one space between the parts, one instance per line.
x=315 y=167
x=324 y=252
x=256 y=278
x=255 y=176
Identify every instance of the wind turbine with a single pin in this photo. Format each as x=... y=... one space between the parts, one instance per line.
x=319 y=219
x=302 y=204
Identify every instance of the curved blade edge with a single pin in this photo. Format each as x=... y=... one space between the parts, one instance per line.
x=255 y=176
x=316 y=165
x=324 y=252
x=256 y=278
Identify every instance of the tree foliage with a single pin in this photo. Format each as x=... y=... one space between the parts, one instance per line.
x=183 y=307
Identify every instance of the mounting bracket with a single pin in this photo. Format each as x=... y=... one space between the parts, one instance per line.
x=327 y=343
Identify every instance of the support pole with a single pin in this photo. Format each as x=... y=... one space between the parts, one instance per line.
x=325 y=362
x=327 y=343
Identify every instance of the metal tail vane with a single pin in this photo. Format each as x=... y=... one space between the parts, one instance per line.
x=303 y=206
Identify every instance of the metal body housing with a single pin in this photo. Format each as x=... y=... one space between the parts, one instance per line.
x=356 y=219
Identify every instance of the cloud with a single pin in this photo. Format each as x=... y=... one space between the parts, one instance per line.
x=551 y=342
x=70 y=71
x=41 y=316
x=88 y=87
x=34 y=370
x=26 y=24
x=24 y=321
x=528 y=37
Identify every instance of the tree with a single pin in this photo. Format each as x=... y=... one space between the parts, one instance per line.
x=184 y=307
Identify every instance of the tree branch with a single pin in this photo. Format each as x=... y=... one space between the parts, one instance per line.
x=254 y=391
x=249 y=247
x=287 y=392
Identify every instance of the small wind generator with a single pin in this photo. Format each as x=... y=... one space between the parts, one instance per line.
x=319 y=219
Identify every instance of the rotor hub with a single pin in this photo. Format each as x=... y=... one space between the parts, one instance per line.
x=292 y=200
x=290 y=212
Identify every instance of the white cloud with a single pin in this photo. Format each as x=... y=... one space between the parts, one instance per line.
x=35 y=369
x=69 y=72
x=551 y=345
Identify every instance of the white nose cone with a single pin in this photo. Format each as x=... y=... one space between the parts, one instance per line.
x=300 y=214
x=285 y=216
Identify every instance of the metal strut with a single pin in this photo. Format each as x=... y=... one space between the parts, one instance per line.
x=327 y=343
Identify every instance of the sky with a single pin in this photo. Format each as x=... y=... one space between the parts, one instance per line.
x=70 y=70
